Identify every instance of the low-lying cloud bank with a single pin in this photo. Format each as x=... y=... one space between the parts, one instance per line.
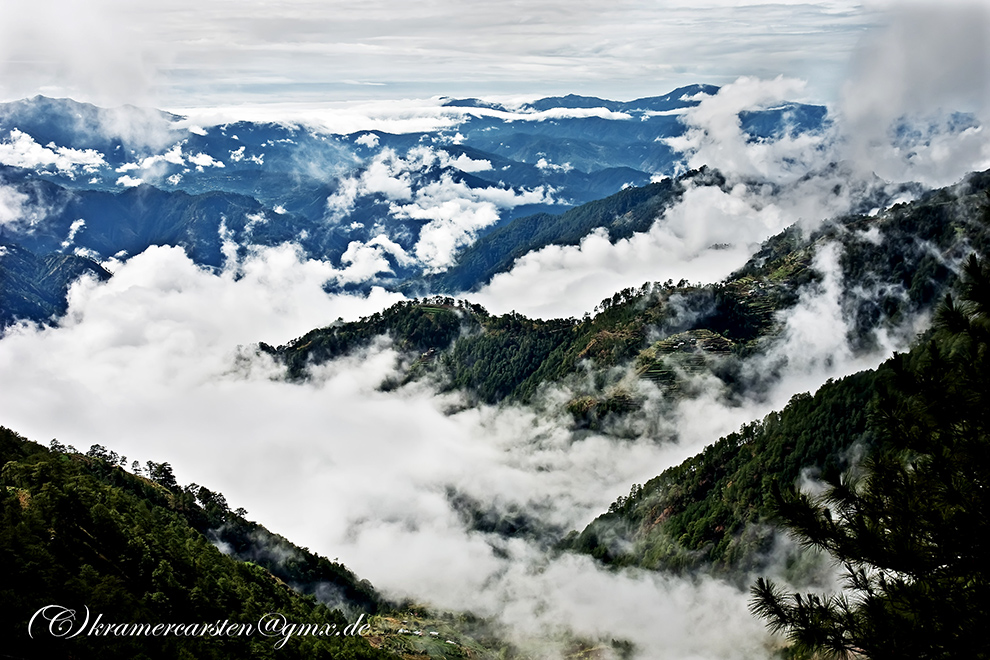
x=157 y=364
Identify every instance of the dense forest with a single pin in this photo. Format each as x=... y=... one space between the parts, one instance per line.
x=909 y=523
x=78 y=530
x=713 y=511
x=892 y=265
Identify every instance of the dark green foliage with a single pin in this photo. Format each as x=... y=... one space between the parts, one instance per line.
x=496 y=363
x=906 y=266
x=710 y=510
x=79 y=531
x=911 y=525
x=414 y=326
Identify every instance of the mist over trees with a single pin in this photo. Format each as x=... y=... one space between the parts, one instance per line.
x=909 y=525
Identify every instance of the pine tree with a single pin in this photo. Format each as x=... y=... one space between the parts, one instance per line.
x=910 y=526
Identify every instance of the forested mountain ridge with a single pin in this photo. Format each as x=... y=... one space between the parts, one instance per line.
x=890 y=266
x=716 y=510
x=908 y=522
x=79 y=529
x=885 y=470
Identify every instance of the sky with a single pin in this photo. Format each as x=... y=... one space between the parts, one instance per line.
x=220 y=52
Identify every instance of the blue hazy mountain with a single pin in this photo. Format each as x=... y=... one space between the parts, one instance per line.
x=103 y=182
x=34 y=287
x=543 y=143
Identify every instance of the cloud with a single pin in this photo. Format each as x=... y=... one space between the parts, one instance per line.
x=129 y=181
x=455 y=213
x=12 y=205
x=208 y=54
x=452 y=211
x=74 y=229
x=908 y=79
x=544 y=164
x=715 y=136
x=21 y=150
x=157 y=363
x=202 y=160
x=465 y=163
x=366 y=260
x=369 y=140
x=103 y=51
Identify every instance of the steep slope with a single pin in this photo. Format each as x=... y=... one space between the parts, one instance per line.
x=714 y=510
x=891 y=266
x=79 y=530
x=632 y=210
x=34 y=288
x=890 y=465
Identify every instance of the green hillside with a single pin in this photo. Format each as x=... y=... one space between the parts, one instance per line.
x=902 y=454
x=907 y=524
x=893 y=265
x=78 y=530
x=713 y=511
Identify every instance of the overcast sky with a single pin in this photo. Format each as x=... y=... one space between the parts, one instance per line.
x=220 y=52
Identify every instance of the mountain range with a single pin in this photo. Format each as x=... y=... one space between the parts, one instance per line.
x=103 y=183
x=85 y=188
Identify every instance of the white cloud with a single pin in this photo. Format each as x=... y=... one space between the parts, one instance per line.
x=12 y=205
x=544 y=164
x=21 y=150
x=202 y=160
x=454 y=211
x=927 y=61
x=368 y=139
x=155 y=166
x=237 y=155
x=465 y=163
x=364 y=261
x=129 y=182
x=74 y=229
x=715 y=136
